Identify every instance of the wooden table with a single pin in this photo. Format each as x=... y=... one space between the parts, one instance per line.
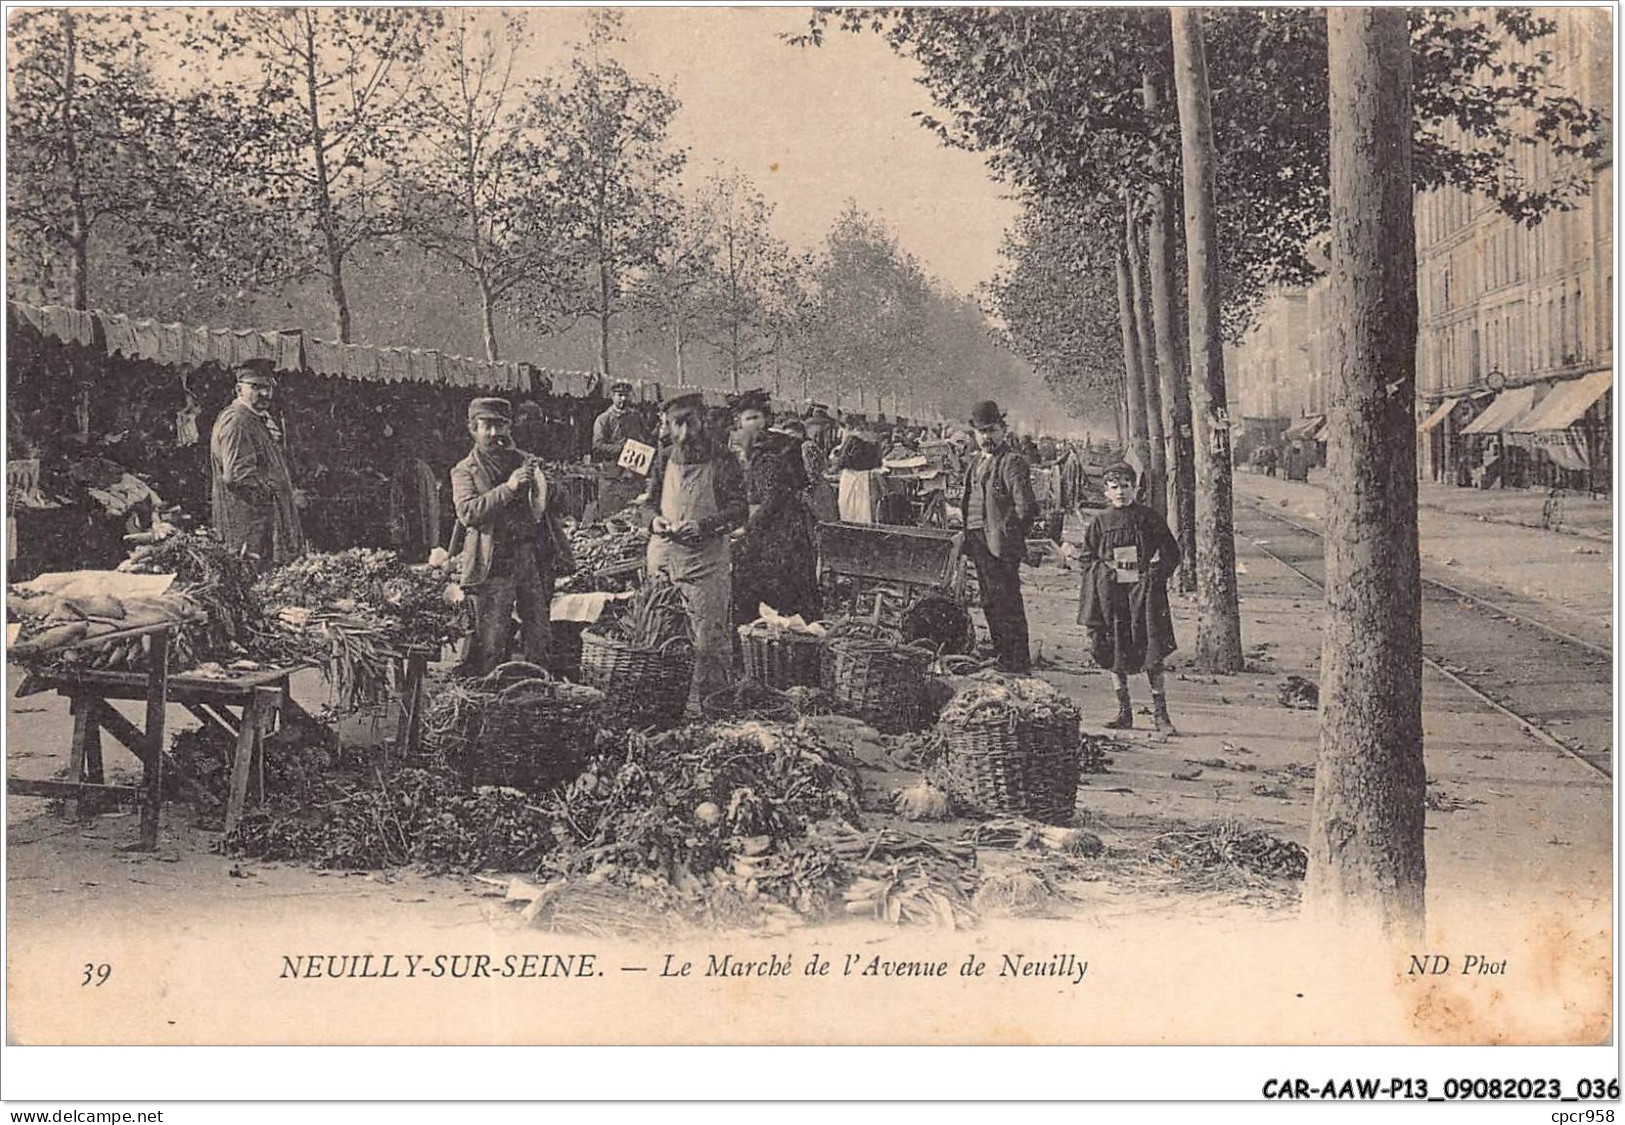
x=260 y=698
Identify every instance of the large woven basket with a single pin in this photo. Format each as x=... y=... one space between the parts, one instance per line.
x=643 y=687
x=881 y=683
x=526 y=731
x=779 y=658
x=1008 y=766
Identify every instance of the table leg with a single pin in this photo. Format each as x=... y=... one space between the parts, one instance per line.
x=417 y=667
x=157 y=698
x=85 y=760
x=247 y=737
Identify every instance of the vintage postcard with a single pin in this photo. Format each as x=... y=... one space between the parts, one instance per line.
x=1063 y=526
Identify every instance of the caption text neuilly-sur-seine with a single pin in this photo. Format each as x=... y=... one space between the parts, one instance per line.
x=1067 y=967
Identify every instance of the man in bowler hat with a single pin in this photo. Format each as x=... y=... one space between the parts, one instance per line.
x=999 y=508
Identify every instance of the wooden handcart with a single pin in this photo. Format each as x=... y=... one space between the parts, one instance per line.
x=879 y=571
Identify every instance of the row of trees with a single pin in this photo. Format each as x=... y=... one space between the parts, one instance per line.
x=1279 y=130
x=343 y=154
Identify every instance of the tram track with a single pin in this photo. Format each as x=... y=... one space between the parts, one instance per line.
x=1558 y=687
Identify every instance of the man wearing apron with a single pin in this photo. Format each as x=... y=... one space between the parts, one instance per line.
x=696 y=499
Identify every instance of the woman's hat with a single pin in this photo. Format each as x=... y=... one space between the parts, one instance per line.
x=692 y=399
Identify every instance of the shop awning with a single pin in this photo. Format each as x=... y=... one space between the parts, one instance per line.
x=1508 y=406
x=1440 y=413
x=1566 y=405
x=1305 y=428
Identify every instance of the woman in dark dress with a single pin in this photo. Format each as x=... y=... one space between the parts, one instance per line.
x=774 y=561
x=1128 y=556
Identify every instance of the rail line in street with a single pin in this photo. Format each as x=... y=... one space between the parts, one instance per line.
x=1534 y=673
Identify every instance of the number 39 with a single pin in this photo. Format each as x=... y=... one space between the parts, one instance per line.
x=96 y=975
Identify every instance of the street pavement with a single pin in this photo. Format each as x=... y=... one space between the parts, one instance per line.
x=1569 y=578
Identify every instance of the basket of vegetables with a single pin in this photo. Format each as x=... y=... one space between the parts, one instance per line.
x=516 y=727
x=878 y=681
x=779 y=657
x=643 y=661
x=1012 y=749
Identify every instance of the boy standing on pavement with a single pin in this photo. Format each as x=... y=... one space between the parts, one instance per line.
x=1128 y=555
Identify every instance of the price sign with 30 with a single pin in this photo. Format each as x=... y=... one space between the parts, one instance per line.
x=637 y=457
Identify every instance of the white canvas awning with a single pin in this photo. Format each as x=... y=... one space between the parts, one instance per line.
x=1440 y=413
x=1566 y=405
x=1508 y=406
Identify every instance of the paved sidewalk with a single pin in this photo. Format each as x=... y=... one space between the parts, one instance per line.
x=1571 y=578
x=1576 y=515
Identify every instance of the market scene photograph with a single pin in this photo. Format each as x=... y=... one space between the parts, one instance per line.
x=549 y=525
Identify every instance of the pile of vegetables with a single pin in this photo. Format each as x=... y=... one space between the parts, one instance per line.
x=412 y=816
x=353 y=613
x=694 y=798
x=217 y=579
x=51 y=623
x=608 y=556
x=657 y=617
x=988 y=695
x=411 y=601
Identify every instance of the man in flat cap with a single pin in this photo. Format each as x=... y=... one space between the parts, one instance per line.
x=254 y=504
x=513 y=543
x=999 y=508
x=611 y=430
x=696 y=498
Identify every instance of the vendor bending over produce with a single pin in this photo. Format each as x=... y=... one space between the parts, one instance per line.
x=1128 y=554
x=513 y=545
x=696 y=498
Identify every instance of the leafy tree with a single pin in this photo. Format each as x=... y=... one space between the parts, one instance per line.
x=471 y=188
x=86 y=132
x=745 y=259
x=603 y=136
x=871 y=296
x=675 y=288
x=299 y=151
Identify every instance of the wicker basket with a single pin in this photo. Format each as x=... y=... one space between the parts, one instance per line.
x=525 y=730
x=1008 y=766
x=642 y=687
x=779 y=658
x=749 y=699
x=878 y=682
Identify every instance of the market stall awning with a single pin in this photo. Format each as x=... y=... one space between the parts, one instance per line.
x=1440 y=413
x=189 y=345
x=1305 y=428
x=1566 y=405
x=1508 y=406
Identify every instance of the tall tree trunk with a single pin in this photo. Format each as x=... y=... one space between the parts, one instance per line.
x=488 y=317
x=1366 y=861
x=1176 y=383
x=79 y=220
x=324 y=194
x=603 y=314
x=1218 y=628
x=1137 y=448
x=1157 y=468
x=677 y=332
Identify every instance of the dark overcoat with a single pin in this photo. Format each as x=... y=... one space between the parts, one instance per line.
x=1129 y=624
